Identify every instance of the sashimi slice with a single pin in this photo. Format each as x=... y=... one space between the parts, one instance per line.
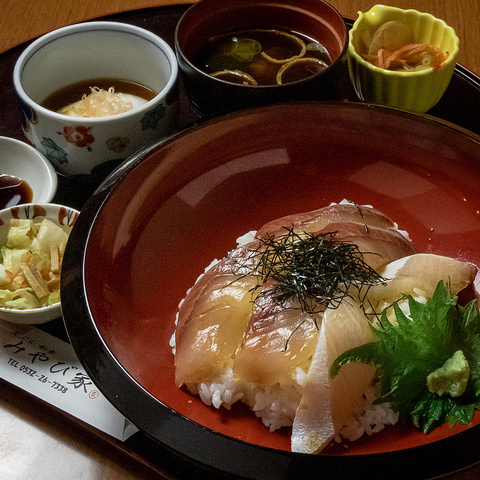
x=379 y=246
x=279 y=338
x=316 y=220
x=328 y=403
x=416 y=274
x=313 y=425
x=211 y=326
x=419 y=274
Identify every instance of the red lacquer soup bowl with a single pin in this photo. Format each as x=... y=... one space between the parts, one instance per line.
x=151 y=229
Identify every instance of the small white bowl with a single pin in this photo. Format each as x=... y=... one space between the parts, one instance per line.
x=59 y=214
x=20 y=160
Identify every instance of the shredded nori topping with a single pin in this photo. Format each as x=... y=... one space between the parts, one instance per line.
x=315 y=269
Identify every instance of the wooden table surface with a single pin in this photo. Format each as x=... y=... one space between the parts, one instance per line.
x=22 y=20
x=39 y=445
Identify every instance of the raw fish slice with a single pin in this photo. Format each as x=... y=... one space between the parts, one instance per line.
x=328 y=403
x=313 y=426
x=278 y=339
x=211 y=325
x=213 y=317
x=420 y=274
x=317 y=220
x=379 y=246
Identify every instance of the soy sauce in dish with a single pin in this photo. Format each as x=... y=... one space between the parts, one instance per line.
x=74 y=92
x=14 y=191
x=262 y=57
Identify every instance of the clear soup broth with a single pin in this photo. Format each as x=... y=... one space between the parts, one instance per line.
x=262 y=57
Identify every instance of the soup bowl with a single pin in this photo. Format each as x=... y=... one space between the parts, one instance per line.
x=313 y=19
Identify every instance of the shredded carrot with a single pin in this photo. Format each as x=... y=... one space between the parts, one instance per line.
x=409 y=57
x=392 y=47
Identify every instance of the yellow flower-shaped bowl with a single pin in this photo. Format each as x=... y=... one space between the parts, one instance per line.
x=415 y=90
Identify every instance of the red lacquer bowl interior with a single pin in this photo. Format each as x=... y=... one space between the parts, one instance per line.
x=187 y=200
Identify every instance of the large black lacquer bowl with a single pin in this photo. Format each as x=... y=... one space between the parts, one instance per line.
x=149 y=231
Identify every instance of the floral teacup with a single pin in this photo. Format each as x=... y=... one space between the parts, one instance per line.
x=90 y=51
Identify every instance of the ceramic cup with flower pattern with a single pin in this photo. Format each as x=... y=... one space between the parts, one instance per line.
x=88 y=52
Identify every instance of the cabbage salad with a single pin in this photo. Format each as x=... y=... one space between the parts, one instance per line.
x=31 y=263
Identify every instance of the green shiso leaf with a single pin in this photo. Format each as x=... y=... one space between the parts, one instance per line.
x=405 y=354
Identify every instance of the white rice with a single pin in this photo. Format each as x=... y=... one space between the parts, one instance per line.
x=275 y=405
x=368 y=418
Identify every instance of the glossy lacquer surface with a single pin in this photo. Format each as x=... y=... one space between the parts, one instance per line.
x=150 y=231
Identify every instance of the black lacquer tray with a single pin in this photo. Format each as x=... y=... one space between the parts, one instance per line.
x=459 y=105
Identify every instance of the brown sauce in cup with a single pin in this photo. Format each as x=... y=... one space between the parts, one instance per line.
x=14 y=191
